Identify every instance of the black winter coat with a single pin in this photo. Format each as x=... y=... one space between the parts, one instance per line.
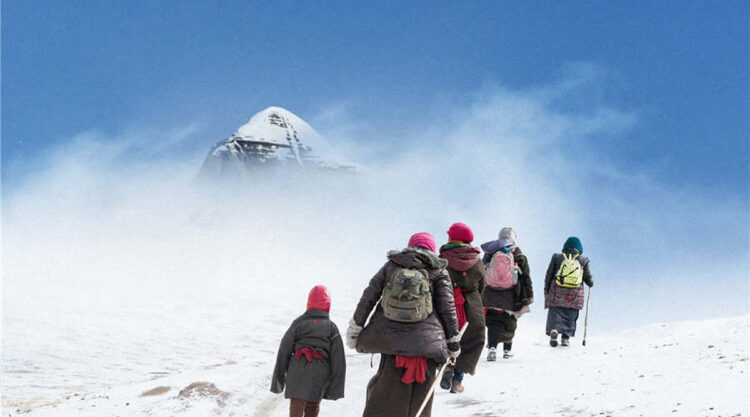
x=424 y=338
x=320 y=378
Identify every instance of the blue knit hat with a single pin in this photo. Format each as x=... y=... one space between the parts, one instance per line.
x=573 y=243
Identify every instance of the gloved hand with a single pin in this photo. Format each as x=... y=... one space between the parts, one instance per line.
x=454 y=349
x=352 y=334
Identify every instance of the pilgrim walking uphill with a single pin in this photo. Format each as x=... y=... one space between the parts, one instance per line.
x=563 y=290
x=509 y=291
x=310 y=361
x=414 y=328
x=467 y=275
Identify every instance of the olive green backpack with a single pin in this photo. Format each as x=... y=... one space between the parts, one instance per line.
x=406 y=296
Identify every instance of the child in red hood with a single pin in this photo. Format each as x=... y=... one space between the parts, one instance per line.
x=311 y=359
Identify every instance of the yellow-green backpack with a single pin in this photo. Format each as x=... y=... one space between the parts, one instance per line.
x=570 y=274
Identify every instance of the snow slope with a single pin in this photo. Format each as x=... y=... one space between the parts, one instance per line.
x=212 y=354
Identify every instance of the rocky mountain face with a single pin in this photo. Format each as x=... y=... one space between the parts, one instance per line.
x=274 y=138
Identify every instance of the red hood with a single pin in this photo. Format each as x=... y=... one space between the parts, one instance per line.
x=462 y=258
x=319 y=299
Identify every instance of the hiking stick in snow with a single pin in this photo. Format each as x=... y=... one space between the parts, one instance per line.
x=586 y=321
x=440 y=374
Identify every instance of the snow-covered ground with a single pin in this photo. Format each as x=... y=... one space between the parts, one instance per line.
x=211 y=353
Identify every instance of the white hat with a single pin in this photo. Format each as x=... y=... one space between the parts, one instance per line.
x=507 y=232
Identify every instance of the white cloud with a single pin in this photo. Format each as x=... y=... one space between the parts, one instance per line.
x=121 y=213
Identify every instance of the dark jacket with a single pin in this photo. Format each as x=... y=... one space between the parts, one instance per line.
x=311 y=380
x=512 y=299
x=556 y=296
x=467 y=272
x=424 y=338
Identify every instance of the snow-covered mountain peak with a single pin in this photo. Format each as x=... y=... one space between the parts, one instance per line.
x=274 y=137
x=275 y=125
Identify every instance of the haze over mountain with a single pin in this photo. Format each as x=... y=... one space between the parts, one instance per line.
x=272 y=138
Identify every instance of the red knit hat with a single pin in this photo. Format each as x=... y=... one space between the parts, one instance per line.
x=319 y=299
x=422 y=240
x=460 y=231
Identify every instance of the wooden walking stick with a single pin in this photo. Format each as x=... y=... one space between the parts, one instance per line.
x=440 y=374
x=586 y=321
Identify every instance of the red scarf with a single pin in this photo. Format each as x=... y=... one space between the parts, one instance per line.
x=459 y=300
x=308 y=353
x=416 y=368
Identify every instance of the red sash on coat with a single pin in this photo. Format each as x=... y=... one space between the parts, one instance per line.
x=416 y=368
x=308 y=353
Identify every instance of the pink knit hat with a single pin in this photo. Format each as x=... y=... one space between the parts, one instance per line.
x=422 y=240
x=460 y=231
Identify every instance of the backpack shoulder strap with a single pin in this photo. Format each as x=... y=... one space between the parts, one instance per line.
x=570 y=256
x=425 y=273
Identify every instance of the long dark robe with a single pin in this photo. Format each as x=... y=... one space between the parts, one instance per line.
x=467 y=272
x=387 y=396
x=563 y=320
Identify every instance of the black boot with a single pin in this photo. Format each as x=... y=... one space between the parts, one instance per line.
x=447 y=380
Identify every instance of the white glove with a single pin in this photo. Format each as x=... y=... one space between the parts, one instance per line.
x=455 y=353
x=454 y=347
x=352 y=334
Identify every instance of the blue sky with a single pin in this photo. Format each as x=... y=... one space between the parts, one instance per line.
x=680 y=67
x=625 y=123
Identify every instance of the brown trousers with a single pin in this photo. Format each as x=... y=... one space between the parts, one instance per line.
x=302 y=408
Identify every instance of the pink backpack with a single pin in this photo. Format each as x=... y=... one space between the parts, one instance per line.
x=502 y=272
